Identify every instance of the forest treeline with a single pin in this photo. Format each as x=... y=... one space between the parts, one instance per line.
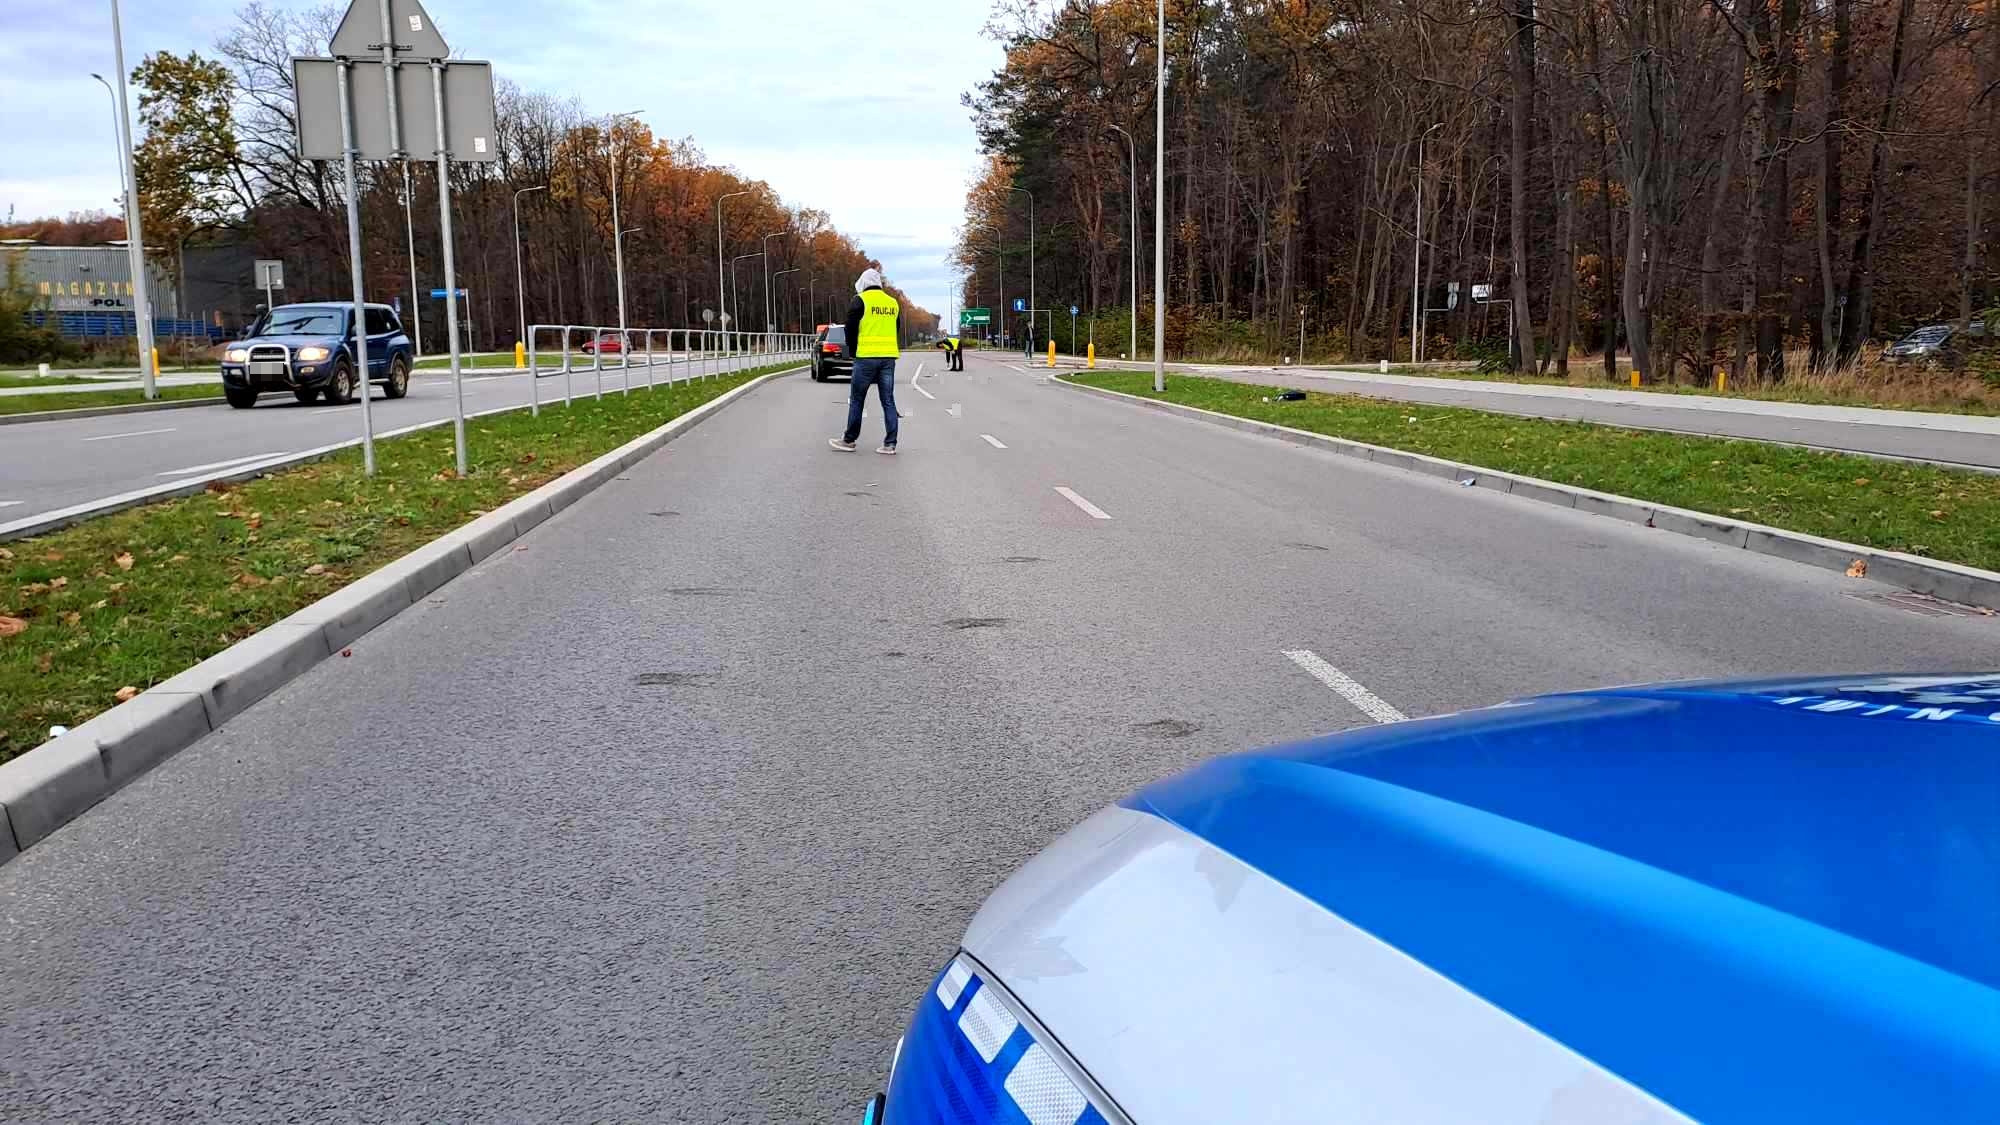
x=1756 y=185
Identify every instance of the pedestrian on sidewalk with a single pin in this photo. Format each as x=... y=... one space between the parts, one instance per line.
x=875 y=333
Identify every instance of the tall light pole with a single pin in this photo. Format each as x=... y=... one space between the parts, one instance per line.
x=618 y=236
x=806 y=320
x=520 y=283
x=767 y=275
x=1417 y=259
x=1132 y=153
x=732 y=269
x=721 y=283
x=812 y=299
x=1031 y=256
x=1160 y=206
x=135 y=235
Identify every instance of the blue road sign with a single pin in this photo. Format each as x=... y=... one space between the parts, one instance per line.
x=1072 y=310
x=1020 y=305
x=438 y=294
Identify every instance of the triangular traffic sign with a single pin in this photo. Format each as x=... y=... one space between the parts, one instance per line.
x=415 y=37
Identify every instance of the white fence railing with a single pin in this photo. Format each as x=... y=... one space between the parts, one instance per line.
x=689 y=353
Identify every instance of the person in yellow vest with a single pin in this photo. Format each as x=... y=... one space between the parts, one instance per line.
x=875 y=333
x=954 y=353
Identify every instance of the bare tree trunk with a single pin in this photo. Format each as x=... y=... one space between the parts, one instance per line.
x=1711 y=239
x=1521 y=66
x=1778 y=68
x=1861 y=270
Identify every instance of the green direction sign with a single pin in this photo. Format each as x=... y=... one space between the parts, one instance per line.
x=975 y=318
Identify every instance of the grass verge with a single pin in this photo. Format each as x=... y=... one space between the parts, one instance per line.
x=1875 y=386
x=78 y=400
x=1936 y=513
x=130 y=599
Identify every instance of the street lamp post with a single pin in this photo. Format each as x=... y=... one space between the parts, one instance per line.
x=1132 y=153
x=520 y=283
x=1160 y=205
x=732 y=271
x=135 y=235
x=618 y=236
x=812 y=299
x=1031 y=256
x=720 y=282
x=767 y=275
x=1417 y=258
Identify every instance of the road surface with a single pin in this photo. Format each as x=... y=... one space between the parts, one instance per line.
x=1970 y=441
x=47 y=466
x=671 y=812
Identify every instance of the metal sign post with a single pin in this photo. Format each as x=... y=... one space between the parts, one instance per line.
x=457 y=97
x=270 y=274
x=354 y=260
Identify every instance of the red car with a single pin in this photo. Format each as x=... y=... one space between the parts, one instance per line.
x=610 y=343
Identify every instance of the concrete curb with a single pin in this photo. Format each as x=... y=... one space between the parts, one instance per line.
x=55 y=782
x=41 y=522
x=105 y=411
x=1950 y=581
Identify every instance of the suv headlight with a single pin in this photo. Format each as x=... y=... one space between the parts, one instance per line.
x=237 y=355
x=310 y=355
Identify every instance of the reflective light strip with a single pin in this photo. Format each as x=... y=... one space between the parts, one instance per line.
x=953 y=984
x=1044 y=1093
x=987 y=1024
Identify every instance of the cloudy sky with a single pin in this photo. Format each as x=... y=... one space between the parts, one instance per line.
x=851 y=108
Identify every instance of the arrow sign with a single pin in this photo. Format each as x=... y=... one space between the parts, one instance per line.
x=415 y=37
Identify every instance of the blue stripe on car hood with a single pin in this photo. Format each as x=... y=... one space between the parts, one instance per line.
x=1755 y=911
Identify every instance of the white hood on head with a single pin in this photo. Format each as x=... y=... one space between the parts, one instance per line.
x=870 y=278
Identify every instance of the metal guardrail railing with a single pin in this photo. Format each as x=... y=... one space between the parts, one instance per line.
x=699 y=353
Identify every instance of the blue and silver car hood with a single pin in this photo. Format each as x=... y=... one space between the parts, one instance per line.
x=1752 y=902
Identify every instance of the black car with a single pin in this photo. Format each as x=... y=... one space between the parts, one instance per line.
x=1937 y=343
x=830 y=356
x=309 y=351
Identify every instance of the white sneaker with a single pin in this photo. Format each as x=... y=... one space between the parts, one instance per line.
x=888 y=449
x=843 y=446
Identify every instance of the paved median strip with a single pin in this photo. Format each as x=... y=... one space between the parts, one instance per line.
x=1917 y=526
x=284 y=567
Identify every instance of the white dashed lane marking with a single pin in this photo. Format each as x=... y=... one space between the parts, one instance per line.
x=192 y=469
x=134 y=433
x=992 y=441
x=1090 y=509
x=1345 y=686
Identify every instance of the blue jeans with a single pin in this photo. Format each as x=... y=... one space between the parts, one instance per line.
x=879 y=373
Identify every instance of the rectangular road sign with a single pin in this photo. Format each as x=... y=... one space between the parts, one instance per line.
x=415 y=37
x=270 y=273
x=1020 y=305
x=974 y=318
x=438 y=294
x=470 y=134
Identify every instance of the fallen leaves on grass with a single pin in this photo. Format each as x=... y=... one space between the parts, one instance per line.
x=1858 y=568
x=124 y=561
x=45 y=662
x=58 y=583
x=316 y=569
x=12 y=626
x=127 y=694
x=6 y=555
x=53 y=556
x=72 y=618
x=250 y=581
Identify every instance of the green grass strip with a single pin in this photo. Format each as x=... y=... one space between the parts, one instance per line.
x=132 y=598
x=78 y=400
x=1918 y=509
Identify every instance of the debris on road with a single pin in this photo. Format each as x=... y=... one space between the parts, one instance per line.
x=1858 y=568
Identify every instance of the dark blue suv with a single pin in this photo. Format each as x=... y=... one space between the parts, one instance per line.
x=309 y=351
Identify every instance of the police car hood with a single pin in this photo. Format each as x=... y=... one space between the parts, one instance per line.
x=1773 y=901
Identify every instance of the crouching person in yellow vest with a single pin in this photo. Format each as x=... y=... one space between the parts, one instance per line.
x=874 y=325
x=954 y=353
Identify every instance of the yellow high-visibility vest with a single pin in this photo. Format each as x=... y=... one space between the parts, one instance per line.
x=953 y=342
x=878 y=327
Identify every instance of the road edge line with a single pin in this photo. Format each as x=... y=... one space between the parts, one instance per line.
x=1952 y=582
x=58 y=781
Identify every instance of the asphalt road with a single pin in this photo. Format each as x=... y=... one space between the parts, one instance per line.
x=1963 y=440
x=47 y=466
x=670 y=813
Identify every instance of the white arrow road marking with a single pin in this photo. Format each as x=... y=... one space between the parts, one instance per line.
x=1090 y=509
x=134 y=433
x=924 y=392
x=1345 y=686
x=993 y=441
